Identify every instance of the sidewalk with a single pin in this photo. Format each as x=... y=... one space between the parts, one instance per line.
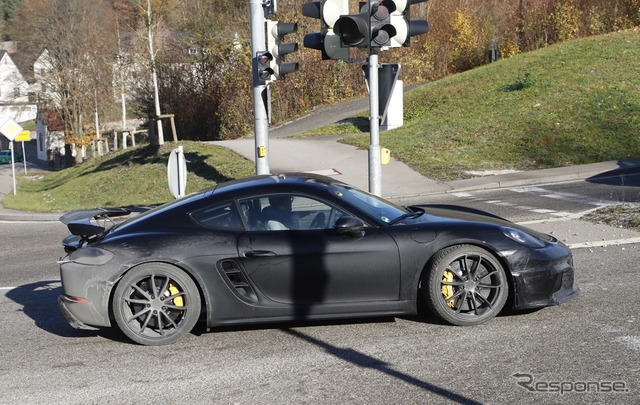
x=324 y=155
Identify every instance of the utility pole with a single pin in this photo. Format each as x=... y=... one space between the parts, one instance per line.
x=260 y=90
x=375 y=165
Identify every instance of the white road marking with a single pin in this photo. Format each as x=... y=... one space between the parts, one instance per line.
x=604 y=243
x=568 y=217
x=542 y=192
x=630 y=341
x=514 y=206
x=579 y=198
x=543 y=211
x=7 y=288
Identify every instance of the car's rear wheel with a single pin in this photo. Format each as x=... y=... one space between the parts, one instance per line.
x=465 y=285
x=156 y=304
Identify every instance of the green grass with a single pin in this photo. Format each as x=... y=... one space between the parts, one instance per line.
x=133 y=177
x=572 y=103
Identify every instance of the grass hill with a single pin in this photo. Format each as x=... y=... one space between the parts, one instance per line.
x=131 y=177
x=571 y=103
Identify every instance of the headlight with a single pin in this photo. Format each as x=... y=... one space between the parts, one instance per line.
x=523 y=238
x=91 y=256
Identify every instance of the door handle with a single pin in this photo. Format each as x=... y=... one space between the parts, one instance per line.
x=259 y=253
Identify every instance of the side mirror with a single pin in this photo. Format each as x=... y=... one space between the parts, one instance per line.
x=351 y=226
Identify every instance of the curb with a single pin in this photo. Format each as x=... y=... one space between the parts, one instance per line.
x=24 y=216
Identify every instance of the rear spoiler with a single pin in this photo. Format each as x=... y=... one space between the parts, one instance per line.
x=80 y=222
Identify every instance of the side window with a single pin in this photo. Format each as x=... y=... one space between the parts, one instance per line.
x=222 y=216
x=288 y=212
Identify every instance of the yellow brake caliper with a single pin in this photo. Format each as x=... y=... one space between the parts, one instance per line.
x=177 y=301
x=447 y=290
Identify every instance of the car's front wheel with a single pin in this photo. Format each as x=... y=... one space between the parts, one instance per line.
x=156 y=304
x=465 y=285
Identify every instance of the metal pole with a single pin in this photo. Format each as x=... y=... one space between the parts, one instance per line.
x=375 y=165
x=260 y=98
x=179 y=159
x=13 y=168
x=24 y=158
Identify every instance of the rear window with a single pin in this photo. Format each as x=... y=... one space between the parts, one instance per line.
x=223 y=217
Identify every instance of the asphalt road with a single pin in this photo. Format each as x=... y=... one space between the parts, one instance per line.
x=560 y=200
x=588 y=348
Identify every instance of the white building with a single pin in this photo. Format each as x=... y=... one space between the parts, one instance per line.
x=14 y=93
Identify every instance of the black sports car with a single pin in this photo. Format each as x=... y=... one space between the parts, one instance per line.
x=299 y=247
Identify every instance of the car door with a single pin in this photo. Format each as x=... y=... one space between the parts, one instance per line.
x=312 y=263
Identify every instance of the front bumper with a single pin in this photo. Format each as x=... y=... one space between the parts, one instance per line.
x=546 y=278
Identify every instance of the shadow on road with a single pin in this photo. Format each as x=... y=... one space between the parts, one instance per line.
x=365 y=361
x=627 y=175
x=39 y=302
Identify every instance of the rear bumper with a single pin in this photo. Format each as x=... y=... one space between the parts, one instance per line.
x=86 y=291
x=70 y=309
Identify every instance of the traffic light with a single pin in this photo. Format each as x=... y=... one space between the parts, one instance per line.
x=270 y=7
x=380 y=22
x=406 y=27
x=327 y=41
x=276 y=30
x=354 y=30
x=264 y=71
x=370 y=28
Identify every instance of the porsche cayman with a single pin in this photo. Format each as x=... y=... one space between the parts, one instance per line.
x=299 y=247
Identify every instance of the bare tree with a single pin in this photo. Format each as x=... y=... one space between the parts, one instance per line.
x=147 y=18
x=154 y=75
x=78 y=54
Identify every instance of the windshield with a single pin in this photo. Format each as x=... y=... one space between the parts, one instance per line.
x=372 y=205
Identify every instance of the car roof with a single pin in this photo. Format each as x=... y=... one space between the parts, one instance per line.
x=268 y=181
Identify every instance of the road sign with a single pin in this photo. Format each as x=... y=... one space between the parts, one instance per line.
x=23 y=136
x=177 y=172
x=10 y=129
x=387 y=78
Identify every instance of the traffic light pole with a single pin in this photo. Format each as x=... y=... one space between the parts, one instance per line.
x=379 y=24
x=375 y=164
x=260 y=91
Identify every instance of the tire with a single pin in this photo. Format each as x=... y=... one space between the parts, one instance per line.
x=465 y=285
x=156 y=304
